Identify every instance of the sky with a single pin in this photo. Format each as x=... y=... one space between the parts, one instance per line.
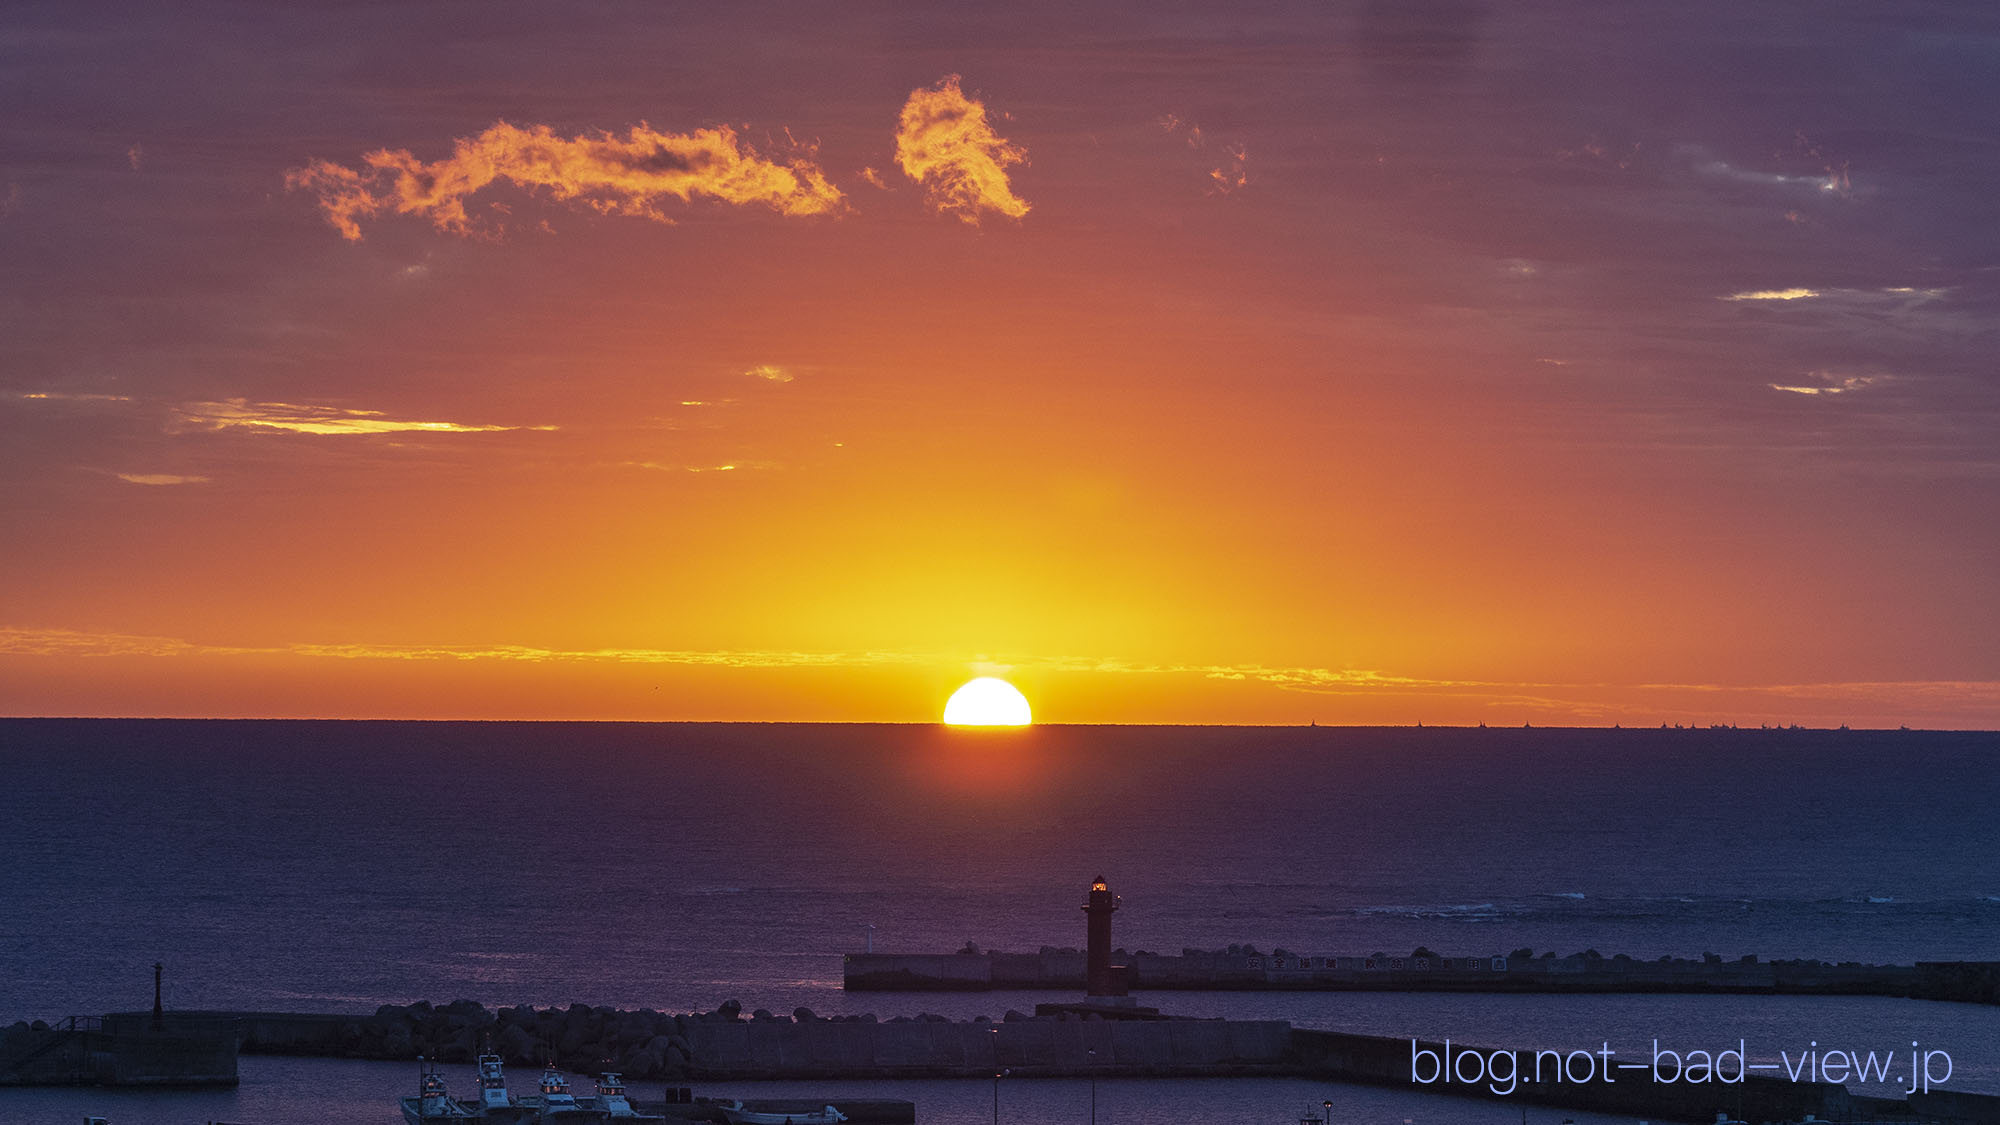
x=1387 y=362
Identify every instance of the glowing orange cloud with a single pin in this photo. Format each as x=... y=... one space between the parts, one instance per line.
x=1223 y=179
x=160 y=478
x=1230 y=176
x=944 y=142
x=243 y=414
x=627 y=175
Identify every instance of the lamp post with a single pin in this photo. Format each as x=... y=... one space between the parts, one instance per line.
x=1092 y=1053
x=997 y=1072
x=1327 y=1105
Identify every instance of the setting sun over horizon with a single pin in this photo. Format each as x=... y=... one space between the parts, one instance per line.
x=987 y=701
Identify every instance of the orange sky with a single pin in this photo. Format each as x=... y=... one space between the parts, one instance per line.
x=1342 y=366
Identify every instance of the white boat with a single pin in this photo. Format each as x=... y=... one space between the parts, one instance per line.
x=734 y=1111
x=493 y=1098
x=431 y=1103
x=612 y=1101
x=552 y=1100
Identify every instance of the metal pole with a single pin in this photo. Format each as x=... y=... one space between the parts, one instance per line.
x=1092 y=1053
x=995 y=1031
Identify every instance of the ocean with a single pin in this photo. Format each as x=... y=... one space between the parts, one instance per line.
x=338 y=866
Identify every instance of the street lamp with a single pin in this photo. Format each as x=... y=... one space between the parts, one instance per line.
x=994 y=1031
x=1092 y=1052
x=1327 y=1105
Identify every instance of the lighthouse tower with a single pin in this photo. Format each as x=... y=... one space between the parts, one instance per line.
x=1101 y=977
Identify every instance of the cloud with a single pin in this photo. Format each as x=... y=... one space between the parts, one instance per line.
x=944 y=142
x=1794 y=294
x=1226 y=177
x=241 y=414
x=1894 y=296
x=159 y=478
x=59 y=396
x=724 y=467
x=1830 y=180
x=1975 y=698
x=1231 y=175
x=629 y=175
x=18 y=641
x=1832 y=384
x=135 y=156
x=770 y=373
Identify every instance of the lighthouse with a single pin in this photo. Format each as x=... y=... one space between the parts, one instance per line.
x=1101 y=977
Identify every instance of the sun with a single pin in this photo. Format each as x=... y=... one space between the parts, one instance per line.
x=987 y=702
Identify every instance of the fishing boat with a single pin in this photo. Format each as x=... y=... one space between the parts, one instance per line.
x=431 y=1103
x=493 y=1098
x=552 y=1101
x=612 y=1101
x=734 y=1111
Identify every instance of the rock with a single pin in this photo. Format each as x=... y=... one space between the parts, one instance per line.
x=515 y=1045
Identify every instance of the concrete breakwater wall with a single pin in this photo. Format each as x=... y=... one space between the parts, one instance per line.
x=726 y=1044
x=111 y=1052
x=1246 y=969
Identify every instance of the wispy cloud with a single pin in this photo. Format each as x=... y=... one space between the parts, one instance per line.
x=1831 y=384
x=944 y=142
x=242 y=414
x=1830 y=180
x=1229 y=175
x=628 y=175
x=159 y=478
x=1793 y=294
x=770 y=373
x=682 y=467
x=1572 y=700
x=1232 y=174
x=60 y=396
x=17 y=641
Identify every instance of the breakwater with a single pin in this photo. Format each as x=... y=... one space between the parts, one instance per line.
x=1244 y=968
x=728 y=1045
x=119 y=1051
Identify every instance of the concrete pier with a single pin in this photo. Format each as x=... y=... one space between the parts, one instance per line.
x=1238 y=970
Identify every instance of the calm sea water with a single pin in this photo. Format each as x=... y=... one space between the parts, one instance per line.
x=339 y=866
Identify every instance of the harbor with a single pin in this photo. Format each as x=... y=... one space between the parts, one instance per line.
x=1104 y=1035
